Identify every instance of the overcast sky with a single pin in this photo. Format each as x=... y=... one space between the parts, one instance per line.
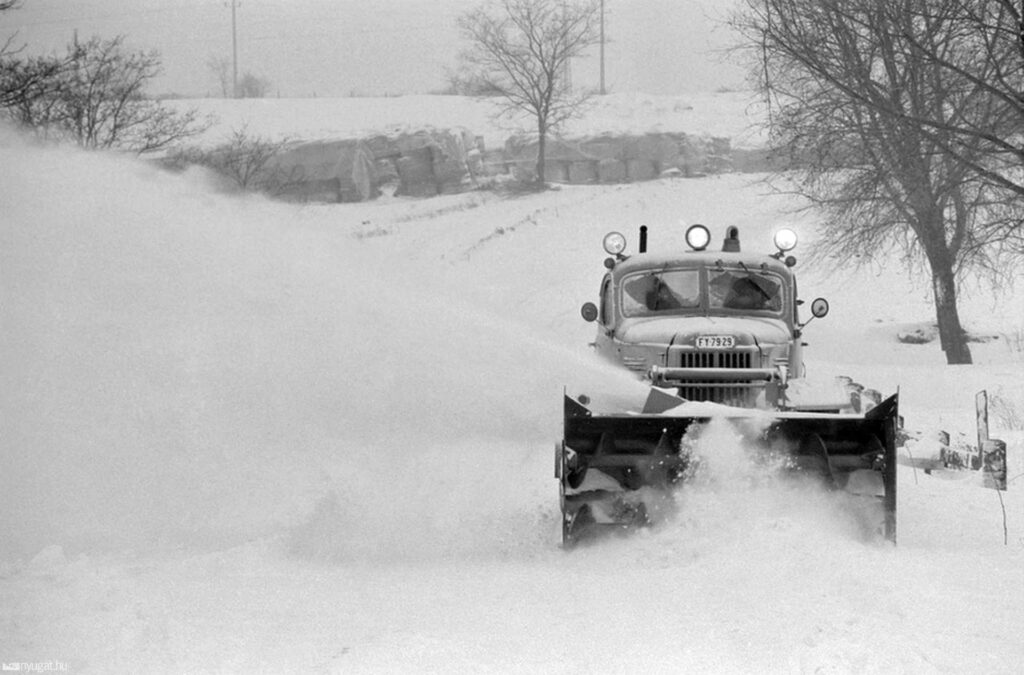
x=372 y=47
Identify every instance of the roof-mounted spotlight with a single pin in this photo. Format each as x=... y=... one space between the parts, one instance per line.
x=698 y=237
x=614 y=243
x=785 y=240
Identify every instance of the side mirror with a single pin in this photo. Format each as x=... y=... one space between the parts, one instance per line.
x=589 y=311
x=819 y=307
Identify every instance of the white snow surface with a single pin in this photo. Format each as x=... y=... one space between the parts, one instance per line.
x=735 y=115
x=246 y=436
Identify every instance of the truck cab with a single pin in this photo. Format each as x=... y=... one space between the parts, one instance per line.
x=716 y=325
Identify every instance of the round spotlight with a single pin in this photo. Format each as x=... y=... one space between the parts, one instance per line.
x=698 y=237
x=614 y=243
x=785 y=239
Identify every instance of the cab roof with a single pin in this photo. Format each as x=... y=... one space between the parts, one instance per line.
x=647 y=261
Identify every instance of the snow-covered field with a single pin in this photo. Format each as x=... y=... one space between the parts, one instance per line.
x=729 y=114
x=246 y=436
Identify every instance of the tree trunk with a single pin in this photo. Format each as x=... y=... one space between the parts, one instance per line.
x=542 y=137
x=951 y=334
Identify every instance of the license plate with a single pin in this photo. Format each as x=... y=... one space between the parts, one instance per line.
x=715 y=342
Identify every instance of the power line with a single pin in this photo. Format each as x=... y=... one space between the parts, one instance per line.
x=234 y=52
x=602 y=48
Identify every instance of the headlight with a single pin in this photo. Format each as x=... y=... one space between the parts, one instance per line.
x=698 y=237
x=785 y=239
x=614 y=243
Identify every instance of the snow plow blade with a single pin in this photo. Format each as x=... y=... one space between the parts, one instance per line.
x=609 y=464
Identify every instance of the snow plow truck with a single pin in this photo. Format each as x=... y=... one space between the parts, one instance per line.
x=716 y=334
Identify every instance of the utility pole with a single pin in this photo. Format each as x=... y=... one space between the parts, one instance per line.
x=234 y=52
x=602 y=48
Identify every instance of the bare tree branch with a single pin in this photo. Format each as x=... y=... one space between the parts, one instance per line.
x=95 y=97
x=520 y=50
x=246 y=160
x=903 y=126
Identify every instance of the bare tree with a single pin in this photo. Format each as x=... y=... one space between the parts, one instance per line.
x=459 y=83
x=252 y=86
x=7 y=47
x=95 y=98
x=991 y=65
x=521 y=50
x=220 y=66
x=850 y=85
x=26 y=83
x=246 y=160
x=104 y=104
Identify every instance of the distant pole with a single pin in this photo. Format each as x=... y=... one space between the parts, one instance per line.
x=234 y=52
x=602 y=48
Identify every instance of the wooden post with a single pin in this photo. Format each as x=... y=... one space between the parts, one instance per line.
x=981 y=413
x=991 y=451
x=981 y=408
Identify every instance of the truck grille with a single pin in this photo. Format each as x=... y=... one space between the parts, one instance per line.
x=723 y=393
x=740 y=397
x=715 y=359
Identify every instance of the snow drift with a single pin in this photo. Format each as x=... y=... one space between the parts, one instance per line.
x=182 y=367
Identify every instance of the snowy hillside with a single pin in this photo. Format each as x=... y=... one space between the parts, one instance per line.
x=735 y=115
x=246 y=436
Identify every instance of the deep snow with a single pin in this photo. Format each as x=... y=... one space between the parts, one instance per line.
x=240 y=436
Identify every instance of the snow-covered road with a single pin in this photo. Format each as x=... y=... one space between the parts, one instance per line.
x=243 y=436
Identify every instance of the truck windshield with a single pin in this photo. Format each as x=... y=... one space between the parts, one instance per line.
x=679 y=291
x=734 y=289
x=664 y=291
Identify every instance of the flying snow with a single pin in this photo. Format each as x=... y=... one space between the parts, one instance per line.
x=184 y=367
